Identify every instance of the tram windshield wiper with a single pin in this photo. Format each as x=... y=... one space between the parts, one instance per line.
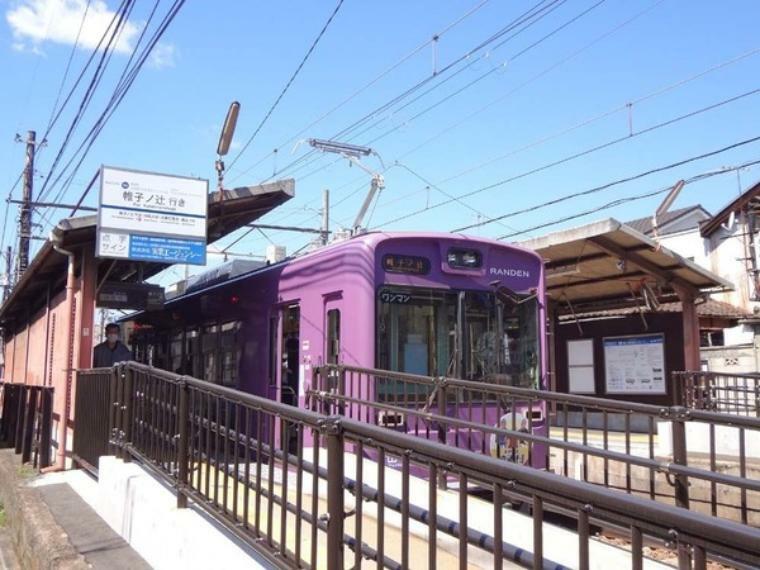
x=506 y=294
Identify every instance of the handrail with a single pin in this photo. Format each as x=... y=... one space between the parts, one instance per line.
x=623 y=406
x=659 y=466
x=227 y=437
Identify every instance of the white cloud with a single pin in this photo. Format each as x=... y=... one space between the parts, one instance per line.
x=163 y=55
x=34 y=22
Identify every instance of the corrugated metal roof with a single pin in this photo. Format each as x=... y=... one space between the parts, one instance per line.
x=605 y=260
x=227 y=212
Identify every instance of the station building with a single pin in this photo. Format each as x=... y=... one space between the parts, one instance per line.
x=48 y=319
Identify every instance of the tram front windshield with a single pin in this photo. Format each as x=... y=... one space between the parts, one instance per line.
x=476 y=335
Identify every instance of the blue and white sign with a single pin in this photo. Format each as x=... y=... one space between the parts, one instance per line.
x=152 y=217
x=635 y=364
x=178 y=250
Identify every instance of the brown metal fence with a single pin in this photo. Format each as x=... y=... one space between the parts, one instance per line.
x=720 y=392
x=92 y=410
x=26 y=421
x=614 y=443
x=315 y=491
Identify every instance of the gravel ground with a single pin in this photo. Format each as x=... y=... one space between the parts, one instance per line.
x=664 y=555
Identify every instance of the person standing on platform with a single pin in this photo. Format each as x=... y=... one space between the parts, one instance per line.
x=112 y=350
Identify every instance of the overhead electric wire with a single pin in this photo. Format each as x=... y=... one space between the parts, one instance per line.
x=534 y=78
x=447 y=194
x=482 y=76
x=57 y=114
x=580 y=154
x=435 y=38
x=289 y=83
x=123 y=87
x=628 y=199
x=542 y=73
x=535 y=11
x=68 y=65
x=584 y=123
x=123 y=83
x=608 y=185
x=467 y=85
x=124 y=10
x=527 y=21
x=409 y=91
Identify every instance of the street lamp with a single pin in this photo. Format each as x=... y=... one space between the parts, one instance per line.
x=225 y=139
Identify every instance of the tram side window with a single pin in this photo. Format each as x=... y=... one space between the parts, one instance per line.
x=209 y=350
x=229 y=352
x=273 y=351
x=175 y=352
x=333 y=336
x=193 y=353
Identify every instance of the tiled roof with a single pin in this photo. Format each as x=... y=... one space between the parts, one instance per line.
x=644 y=225
x=710 y=308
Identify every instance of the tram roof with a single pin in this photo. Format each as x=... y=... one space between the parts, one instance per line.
x=602 y=263
x=227 y=212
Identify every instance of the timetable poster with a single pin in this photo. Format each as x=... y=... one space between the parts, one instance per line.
x=635 y=364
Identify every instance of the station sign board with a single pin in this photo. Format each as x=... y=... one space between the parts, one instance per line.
x=134 y=296
x=146 y=216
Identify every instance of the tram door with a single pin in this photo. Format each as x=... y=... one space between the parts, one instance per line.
x=289 y=355
x=290 y=369
x=332 y=355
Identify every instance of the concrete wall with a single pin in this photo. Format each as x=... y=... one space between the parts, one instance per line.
x=735 y=359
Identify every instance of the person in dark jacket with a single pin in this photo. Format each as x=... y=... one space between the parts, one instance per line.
x=112 y=350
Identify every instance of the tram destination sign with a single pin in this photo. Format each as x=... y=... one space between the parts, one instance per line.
x=146 y=216
x=136 y=296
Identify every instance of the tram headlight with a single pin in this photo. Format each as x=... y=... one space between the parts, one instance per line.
x=464 y=258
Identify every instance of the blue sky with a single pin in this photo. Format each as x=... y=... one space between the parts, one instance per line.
x=216 y=52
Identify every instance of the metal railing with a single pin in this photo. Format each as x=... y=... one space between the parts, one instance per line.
x=26 y=421
x=92 y=412
x=658 y=461
x=316 y=491
x=720 y=392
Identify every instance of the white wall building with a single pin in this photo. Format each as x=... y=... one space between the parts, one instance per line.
x=727 y=244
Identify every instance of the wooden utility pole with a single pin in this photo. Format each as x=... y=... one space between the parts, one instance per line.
x=25 y=218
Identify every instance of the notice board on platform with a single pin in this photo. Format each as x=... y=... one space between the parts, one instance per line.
x=635 y=364
x=580 y=366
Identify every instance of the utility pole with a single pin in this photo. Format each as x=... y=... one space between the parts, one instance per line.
x=325 y=216
x=25 y=219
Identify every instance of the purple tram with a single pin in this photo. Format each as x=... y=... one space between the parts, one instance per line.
x=431 y=304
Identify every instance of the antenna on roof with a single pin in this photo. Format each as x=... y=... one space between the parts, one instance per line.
x=666 y=204
x=353 y=153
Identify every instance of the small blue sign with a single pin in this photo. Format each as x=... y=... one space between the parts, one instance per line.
x=167 y=250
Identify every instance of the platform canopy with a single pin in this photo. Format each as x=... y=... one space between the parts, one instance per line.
x=609 y=264
x=227 y=212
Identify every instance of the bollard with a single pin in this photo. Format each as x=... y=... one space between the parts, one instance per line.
x=335 y=507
